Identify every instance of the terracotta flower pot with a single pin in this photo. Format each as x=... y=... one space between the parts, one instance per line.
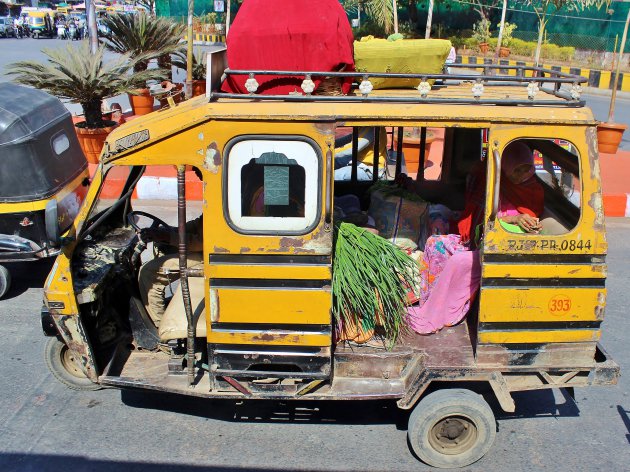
x=484 y=47
x=198 y=88
x=411 y=151
x=141 y=104
x=609 y=136
x=91 y=140
x=504 y=52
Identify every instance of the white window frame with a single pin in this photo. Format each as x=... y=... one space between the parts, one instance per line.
x=301 y=149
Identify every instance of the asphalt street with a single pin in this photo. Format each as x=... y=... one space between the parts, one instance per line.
x=46 y=427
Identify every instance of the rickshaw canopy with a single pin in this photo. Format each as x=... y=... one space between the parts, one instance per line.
x=39 y=150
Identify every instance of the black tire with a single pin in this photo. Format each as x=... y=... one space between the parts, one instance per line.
x=61 y=363
x=451 y=428
x=5 y=280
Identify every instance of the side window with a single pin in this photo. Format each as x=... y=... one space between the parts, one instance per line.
x=60 y=143
x=273 y=185
x=540 y=178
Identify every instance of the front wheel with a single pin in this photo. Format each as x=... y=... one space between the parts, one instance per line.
x=63 y=363
x=5 y=280
x=451 y=428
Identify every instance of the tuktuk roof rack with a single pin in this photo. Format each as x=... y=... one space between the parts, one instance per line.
x=524 y=86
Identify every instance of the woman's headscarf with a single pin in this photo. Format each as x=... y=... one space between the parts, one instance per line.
x=527 y=197
x=517 y=154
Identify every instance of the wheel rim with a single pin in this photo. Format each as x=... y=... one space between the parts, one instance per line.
x=70 y=363
x=453 y=435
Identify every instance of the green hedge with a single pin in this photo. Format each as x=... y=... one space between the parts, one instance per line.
x=522 y=48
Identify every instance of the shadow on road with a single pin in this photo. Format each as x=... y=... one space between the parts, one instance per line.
x=49 y=463
x=626 y=420
x=541 y=403
x=529 y=405
x=25 y=275
x=256 y=411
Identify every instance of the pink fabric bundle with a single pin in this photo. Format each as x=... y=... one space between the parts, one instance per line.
x=451 y=296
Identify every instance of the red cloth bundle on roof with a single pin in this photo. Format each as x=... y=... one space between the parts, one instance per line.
x=294 y=35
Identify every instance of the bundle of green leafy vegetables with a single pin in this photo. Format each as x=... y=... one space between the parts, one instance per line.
x=371 y=279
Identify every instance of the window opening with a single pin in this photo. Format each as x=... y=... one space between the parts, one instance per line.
x=540 y=187
x=273 y=184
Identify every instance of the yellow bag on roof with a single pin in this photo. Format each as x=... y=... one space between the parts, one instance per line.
x=405 y=56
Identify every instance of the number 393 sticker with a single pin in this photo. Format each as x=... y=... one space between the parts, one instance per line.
x=560 y=304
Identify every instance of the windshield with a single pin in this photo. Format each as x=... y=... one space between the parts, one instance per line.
x=114 y=186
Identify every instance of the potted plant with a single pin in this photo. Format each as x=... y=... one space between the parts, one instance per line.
x=74 y=74
x=609 y=133
x=198 y=70
x=411 y=147
x=506 y=39
x=146 y=37
x=481 y=34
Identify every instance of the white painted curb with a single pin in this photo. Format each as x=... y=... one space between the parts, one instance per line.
x=157 y=188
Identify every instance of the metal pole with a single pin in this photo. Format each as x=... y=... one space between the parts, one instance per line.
x=500 y=38
x=183 y=271
x=189 y=50
x=611 y=111
x=427 y=32
x=359 y=15
x=395 y=16
x=227 y=17
x=93 y=32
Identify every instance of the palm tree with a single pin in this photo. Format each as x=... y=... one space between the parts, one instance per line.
x=74 y=74
x=143 y=35
x=380 y=11
x=198 y=67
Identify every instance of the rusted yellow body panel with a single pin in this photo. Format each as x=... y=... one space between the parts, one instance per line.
x=263 y=290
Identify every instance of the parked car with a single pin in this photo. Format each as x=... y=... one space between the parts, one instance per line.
x=6 y=27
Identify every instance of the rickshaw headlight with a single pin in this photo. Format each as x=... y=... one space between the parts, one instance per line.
x=52 y=223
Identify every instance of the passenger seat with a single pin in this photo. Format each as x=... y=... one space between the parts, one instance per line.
x=174 y=325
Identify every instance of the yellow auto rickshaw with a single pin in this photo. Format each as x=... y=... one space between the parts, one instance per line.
x=252 y=319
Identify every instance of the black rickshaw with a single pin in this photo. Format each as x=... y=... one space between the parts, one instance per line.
x=43 y=175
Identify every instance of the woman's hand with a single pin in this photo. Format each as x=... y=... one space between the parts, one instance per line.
x=527 y=223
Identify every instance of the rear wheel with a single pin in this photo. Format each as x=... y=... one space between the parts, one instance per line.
x=63 y=363
x=5 y=280
x=451 y=428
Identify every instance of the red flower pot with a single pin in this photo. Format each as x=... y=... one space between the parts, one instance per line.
x=91 y=140
x=142 y=103
x=609 y=136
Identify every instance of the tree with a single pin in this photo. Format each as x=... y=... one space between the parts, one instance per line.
x=381 y=12
x=74 y=73
x=483 y=7
x=142 y=34
x=148 y=5
x=546 y=9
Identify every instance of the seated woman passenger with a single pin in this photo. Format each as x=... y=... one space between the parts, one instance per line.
x=450 y=270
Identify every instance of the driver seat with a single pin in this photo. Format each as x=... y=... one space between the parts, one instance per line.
x=173 y=324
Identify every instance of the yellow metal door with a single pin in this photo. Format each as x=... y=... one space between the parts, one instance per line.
x=269 y=247
x=543 y=295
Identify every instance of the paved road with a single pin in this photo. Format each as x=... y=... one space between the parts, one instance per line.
x=30 y=49
x=46 y=427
